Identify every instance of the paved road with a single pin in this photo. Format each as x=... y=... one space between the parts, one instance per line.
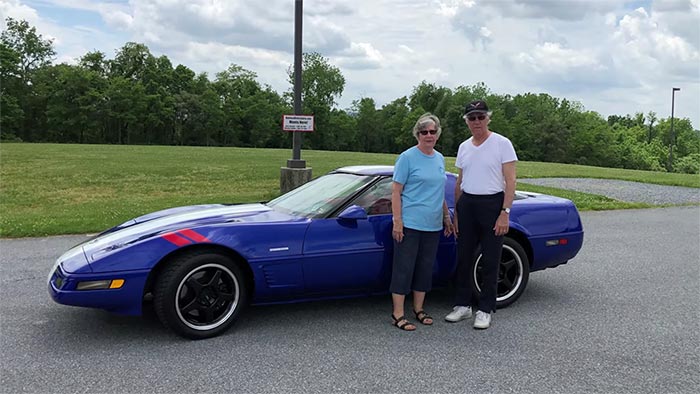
x=622 y=317
x=624 y=190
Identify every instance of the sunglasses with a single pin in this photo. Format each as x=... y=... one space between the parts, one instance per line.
x=474 y=118
x=425 y=132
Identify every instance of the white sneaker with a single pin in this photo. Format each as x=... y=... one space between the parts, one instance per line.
x=459 y=313
x=482 y=320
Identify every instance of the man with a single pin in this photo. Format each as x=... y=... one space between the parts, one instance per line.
x=484 y=194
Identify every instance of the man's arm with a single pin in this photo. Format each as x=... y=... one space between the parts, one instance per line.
x=458 y=188
x=509 y=175
x=458 y=194
x=502 y=224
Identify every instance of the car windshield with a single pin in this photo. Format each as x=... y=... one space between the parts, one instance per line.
x=321 y=196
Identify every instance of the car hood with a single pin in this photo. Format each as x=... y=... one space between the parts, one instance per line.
x=147 y=226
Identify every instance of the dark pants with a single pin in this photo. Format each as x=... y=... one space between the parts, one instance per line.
x=477 y=216
x=413 y=261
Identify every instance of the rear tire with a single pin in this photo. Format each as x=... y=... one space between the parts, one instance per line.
x=200 y=294
x=513 y=273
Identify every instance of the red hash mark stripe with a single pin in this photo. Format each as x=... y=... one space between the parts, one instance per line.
x=176 y=239
x=193 y=235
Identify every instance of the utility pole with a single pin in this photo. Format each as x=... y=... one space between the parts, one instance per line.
x=296 y=161
x=673 y=135
x=296 y=173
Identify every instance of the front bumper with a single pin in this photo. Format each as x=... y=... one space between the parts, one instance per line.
x=126 y=300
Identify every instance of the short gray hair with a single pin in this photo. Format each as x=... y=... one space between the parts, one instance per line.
x=424 y=120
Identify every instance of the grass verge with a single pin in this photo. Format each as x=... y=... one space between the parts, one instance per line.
x=49 y=189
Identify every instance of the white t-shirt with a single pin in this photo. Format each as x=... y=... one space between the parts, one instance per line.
x=482 y=166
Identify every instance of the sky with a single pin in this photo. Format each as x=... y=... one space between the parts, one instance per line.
x=615 y=57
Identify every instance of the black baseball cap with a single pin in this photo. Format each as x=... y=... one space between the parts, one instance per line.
x=476 y=106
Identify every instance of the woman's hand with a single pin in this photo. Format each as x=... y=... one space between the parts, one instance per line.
x=397 y=231
x=447 y=225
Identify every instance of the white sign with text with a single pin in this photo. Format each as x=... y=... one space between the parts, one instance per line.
x=298 y=122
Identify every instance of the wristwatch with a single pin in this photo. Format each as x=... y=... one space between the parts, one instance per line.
x=506 y=210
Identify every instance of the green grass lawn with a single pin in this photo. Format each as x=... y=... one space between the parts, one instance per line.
x=48 y=189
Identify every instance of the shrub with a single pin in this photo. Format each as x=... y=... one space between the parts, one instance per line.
x=688 y=164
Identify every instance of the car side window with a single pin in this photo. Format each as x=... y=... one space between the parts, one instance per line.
x=377 y=199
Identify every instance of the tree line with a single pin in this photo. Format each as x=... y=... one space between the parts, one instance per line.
x=138 y=98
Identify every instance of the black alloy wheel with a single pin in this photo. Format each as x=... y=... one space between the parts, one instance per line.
x=200 y=295
x=513 y=273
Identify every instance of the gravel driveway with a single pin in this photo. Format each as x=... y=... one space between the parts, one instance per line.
x=623 y=190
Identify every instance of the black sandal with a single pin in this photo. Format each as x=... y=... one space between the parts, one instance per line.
x=402 y=319
x=422 y=317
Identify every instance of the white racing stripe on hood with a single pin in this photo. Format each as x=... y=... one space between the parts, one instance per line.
x=162 y=222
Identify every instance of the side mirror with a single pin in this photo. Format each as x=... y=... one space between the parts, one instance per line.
x=353 y=212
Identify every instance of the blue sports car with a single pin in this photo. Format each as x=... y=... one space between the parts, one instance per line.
x=329 y=238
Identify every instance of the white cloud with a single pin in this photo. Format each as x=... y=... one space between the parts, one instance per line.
x=560 y=70
x=19 y=11
x=118 y=19
x=611 y=58
x=216 y=52
x=643 y=41
x=435 y=75
x=568 y=10
x=610 y=19
x=450 y=8
x=406 y=48
x=552 y=58
x=680 y=21
x=676 y=5
x=326 y=37
x=361 y=56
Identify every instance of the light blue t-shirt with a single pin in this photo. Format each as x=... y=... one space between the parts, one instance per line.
x=423 y=179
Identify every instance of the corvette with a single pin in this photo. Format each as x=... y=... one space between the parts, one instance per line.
x=331 y=238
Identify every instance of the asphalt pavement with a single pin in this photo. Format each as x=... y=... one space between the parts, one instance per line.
x=622 y=317
x=624 y=190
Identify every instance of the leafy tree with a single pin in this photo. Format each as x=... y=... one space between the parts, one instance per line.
x=428 y=96
x=265 y=109
x=10 y=85
x=74 y=96
x=34 y=51
x=132 y=62
x=369 y=127
x=124 y=107
x=590 y=141
x=346 y=128
x=322 y=84
x=236 y=88
x=393 y=118
x=95 y=62
x=23 y=52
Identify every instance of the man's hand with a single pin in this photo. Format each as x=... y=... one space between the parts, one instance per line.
x=501 y=227
x=455 y=226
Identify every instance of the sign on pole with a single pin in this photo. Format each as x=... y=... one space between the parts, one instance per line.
x=298 y=122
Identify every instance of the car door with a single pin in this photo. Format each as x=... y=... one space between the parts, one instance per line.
x=351 y=256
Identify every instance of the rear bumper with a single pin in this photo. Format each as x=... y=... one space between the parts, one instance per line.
x=126 y=300
x=551 y=256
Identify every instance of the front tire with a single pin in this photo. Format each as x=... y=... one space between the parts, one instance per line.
x=200 y=294
x=513 y=273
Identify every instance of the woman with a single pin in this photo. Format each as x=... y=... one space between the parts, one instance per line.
x=420 y=212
